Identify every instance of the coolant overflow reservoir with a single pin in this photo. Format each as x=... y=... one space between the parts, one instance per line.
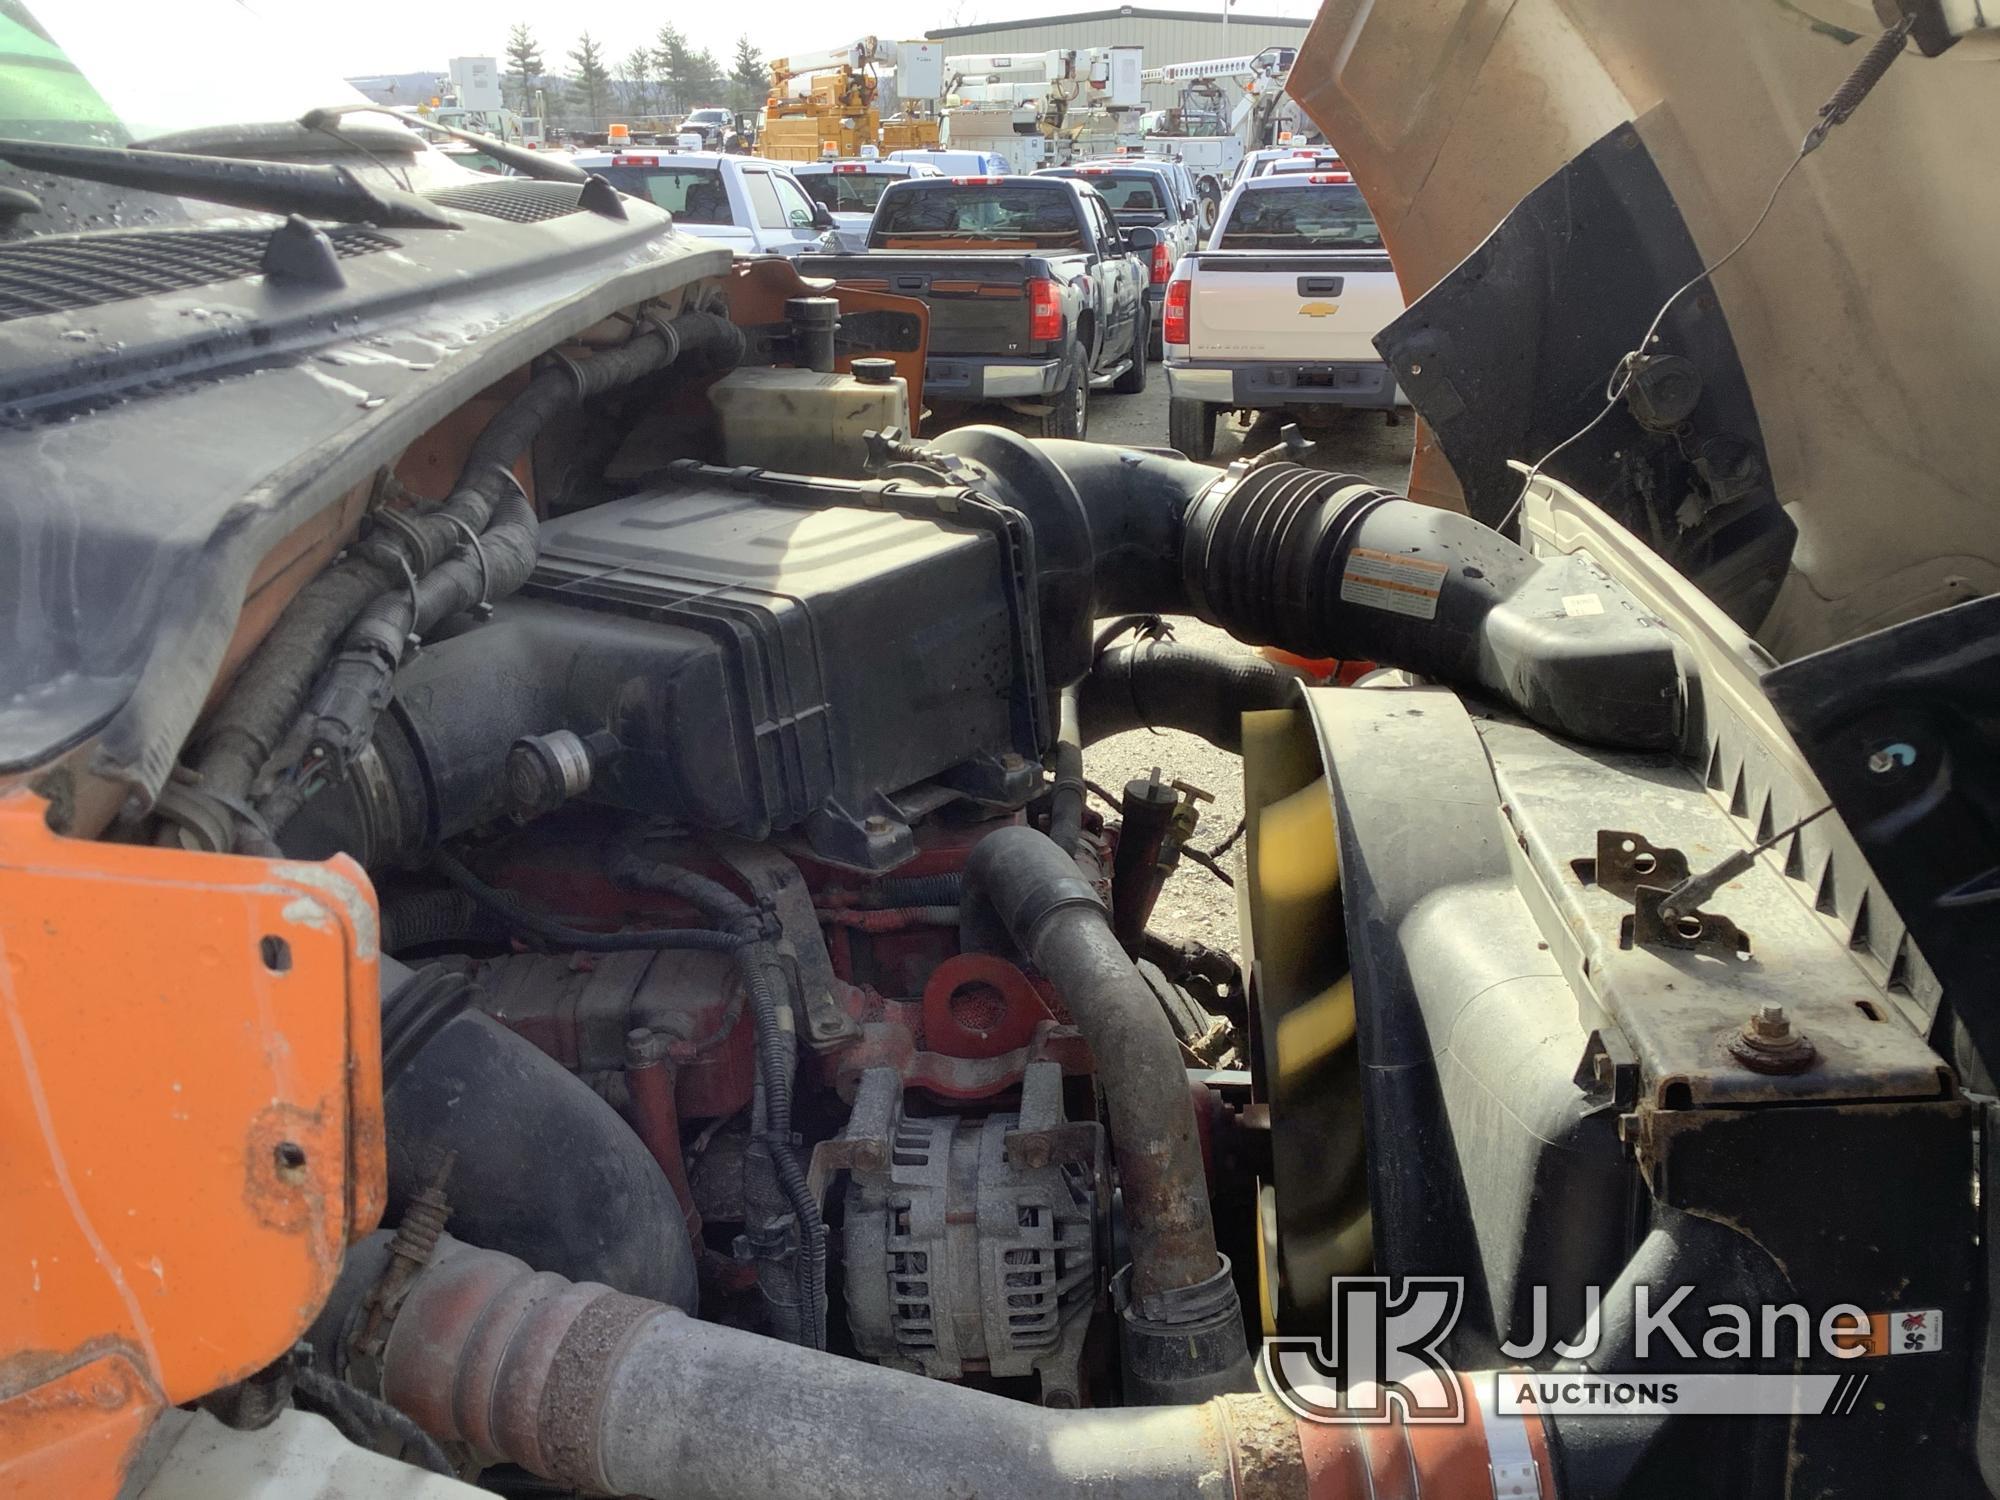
x=803 y=422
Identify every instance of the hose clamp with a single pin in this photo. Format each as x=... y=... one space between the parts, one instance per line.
x=663 y=326
x=483 y=608
x=1510 y=1456
x=394 y=521
x=569 y=367
x=410 y=638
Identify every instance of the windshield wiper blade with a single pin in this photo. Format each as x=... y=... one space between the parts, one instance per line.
x=527 y=163
x=313 y=192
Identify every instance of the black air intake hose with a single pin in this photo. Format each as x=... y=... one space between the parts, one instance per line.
x=541 y=1166
x=1328 y=565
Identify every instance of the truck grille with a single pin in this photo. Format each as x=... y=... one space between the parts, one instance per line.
x=67 y=273
x=517 y=201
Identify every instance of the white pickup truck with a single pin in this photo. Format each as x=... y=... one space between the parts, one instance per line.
x=755 y=207
x=1280 y=314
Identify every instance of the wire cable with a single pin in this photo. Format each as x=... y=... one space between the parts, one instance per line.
x=1838 y=107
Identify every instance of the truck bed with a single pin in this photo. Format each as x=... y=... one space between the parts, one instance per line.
x=978 y=300
x=1290 y=305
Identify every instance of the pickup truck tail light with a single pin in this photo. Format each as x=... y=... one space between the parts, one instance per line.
x=1323 y=177
x=1162 y=264
x=1045 y=320
x=975 y=181
x=1174 y=327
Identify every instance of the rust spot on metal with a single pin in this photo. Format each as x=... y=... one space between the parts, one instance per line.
x=567 y=1424
x=1264 y=1447
x=289 y=1184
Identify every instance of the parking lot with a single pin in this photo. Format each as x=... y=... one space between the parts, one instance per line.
x=1361 y=442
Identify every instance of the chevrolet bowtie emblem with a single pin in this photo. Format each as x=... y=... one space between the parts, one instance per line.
x=1318 y=309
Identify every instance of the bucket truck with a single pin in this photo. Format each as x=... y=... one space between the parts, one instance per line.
x=1038 y=109
x=837 y=115
x=1205 y=131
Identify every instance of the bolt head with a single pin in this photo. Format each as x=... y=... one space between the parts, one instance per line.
x=1771 y=1021
x=875 y=823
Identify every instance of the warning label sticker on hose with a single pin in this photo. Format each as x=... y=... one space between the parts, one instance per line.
x=1394 y=581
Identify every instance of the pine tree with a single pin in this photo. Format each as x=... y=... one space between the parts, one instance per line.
x=524 y=66
x=749 y=81
x=590 y=89
x=672 y=64
x=636 y=73
x=704 y=79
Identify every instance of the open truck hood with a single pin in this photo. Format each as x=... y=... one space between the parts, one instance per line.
x=1838 y=473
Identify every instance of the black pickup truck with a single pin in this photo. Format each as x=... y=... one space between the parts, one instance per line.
x=1036 y=295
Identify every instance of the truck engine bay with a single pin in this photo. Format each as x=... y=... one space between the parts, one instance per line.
x=705 y=1035
x=751 y=954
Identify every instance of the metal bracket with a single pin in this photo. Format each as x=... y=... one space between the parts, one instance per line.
x=1608 y=1072
x=1704 y=932
x=775 y=878
x=1625 y=861
x=1043 y=1136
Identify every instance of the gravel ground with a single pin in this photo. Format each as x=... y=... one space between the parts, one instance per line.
x=1195 y=904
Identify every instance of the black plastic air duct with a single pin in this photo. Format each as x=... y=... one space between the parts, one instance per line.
x=1328 y=565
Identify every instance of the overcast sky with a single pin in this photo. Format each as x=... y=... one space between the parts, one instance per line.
x=357 y=37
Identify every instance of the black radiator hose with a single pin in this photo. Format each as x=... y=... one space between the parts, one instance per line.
x=480 y=545
x=539 y=1165
x=1328 y=565
x=1161 y=685
x=1181 y=1326
x=266 y=697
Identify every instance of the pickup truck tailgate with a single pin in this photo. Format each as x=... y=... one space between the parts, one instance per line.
x=978 y=303
x=1307 y=306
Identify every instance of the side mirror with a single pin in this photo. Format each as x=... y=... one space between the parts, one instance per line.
x=822 y=218
x=1141 y=239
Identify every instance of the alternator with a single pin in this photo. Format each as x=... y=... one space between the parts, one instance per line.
x=971 y=1244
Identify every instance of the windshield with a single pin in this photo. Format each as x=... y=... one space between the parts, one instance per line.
x=1043 y=218
x=848 y=192
x=708 y=117
x=693 y=195
x=1309 y=216
x=473 y=160
x=1131 y=195
x=113 y=71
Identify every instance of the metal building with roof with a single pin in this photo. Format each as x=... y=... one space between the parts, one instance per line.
x=1169 y=36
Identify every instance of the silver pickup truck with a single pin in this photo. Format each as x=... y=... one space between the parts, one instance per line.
x=1282 y=312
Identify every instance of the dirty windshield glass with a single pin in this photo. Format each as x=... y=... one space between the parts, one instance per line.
x=694 y=195
x=847 y=192
x=1310 y=216
x=1045 y=217
x=1129 y=193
